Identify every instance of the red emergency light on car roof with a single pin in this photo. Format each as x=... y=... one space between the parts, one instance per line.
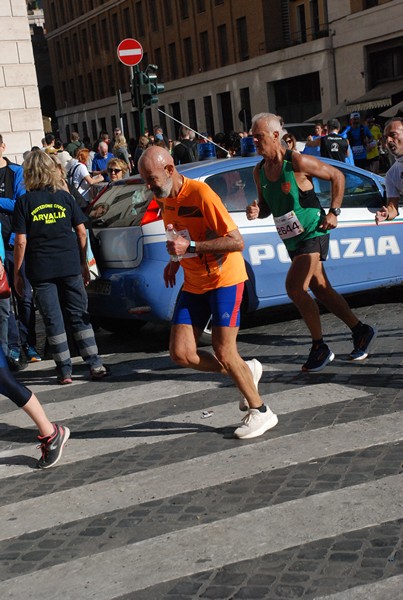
x=152 y=214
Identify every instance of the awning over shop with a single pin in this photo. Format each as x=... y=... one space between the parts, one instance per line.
x=332 y=113
x=393 y=110
x=378 y=97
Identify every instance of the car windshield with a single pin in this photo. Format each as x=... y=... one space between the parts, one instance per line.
x=121 y=205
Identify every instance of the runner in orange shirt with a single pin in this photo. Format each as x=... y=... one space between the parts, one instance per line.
x=209 y=247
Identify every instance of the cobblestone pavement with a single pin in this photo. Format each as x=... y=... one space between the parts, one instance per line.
x=153 y=501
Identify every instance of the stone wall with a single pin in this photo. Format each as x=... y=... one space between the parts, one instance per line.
x=20 y=113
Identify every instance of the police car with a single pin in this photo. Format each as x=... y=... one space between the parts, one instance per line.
x=128 y=240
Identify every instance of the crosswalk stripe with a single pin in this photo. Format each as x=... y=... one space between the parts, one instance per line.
x=134 y=395
x=138 y=393
x=162 y=429
x=390 y=589
x=246 y=536
x=159 y=365
x=197 y=473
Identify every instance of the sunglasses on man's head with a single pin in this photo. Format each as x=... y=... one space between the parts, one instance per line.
x=115 y=170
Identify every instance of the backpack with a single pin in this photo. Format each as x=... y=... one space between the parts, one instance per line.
x=188 y=151
x=70 y=176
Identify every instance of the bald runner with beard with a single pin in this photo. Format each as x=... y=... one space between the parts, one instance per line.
x=209 y=246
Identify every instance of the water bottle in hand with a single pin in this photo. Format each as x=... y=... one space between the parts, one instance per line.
x=171 y=235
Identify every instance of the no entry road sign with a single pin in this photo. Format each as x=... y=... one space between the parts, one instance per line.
x=130 y=52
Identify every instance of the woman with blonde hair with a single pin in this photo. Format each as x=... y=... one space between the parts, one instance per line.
x=51 y=235
x=117 y=169
x=120 y=150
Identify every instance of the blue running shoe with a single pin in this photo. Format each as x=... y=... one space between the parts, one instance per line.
x=31 y=354
x=363 y=341
x=318 y=359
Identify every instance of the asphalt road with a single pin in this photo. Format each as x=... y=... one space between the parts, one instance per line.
x=154 y=499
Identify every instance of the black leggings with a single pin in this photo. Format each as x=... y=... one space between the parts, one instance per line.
x=9 y=386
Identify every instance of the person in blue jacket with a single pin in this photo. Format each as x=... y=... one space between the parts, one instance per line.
x=23 y=334
x=360 y=138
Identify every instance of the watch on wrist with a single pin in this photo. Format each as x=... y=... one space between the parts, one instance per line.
x=335 y=211
x=192 y=247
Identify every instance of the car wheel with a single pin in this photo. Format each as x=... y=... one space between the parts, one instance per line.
x=121 y=326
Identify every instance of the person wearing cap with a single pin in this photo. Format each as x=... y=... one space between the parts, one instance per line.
x=360 y=138
x=394 y=176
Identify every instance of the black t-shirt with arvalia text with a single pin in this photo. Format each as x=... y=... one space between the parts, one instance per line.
x=47 y=219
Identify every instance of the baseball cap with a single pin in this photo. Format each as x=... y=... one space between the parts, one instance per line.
x=355 y=115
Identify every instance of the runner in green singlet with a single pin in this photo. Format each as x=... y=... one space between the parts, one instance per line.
x=284 y=184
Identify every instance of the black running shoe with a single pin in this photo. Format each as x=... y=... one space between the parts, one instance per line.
x=14 y=360
x=318 y=358
x=52 y=446
x=363 y=341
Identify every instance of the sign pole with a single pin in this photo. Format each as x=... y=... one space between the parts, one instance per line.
x=130 y=53
x=120 y=108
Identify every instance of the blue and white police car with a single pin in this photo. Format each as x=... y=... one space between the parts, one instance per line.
x=129 y=240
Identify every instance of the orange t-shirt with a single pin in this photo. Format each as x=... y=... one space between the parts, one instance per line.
x=198 y=212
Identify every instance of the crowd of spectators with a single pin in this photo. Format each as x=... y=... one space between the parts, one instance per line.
x=87 y=166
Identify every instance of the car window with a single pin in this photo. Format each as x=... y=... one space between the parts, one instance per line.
x=300 y=131
x=359 y=191
x=121 y=206
x=235 y=187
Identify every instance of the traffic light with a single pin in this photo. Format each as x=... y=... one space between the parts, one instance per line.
x=144 y=87
x=150 y=88
x=135 y=83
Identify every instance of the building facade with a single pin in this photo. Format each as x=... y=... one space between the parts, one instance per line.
x=20 y=113
x=222 y=60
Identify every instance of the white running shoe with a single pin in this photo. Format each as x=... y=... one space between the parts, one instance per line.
x=256 y=423
x=257 y=370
